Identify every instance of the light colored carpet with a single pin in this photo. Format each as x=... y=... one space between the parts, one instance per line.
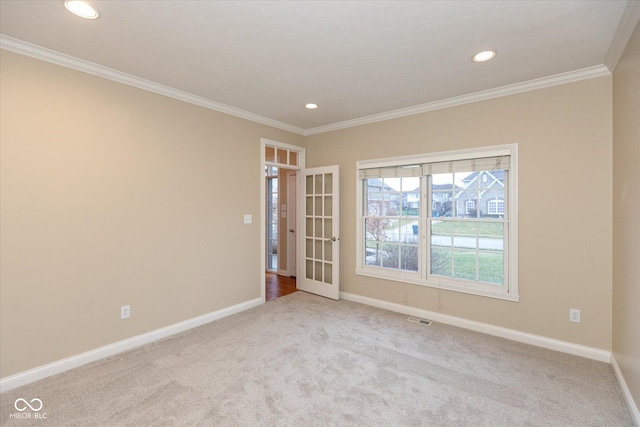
x=303 y=360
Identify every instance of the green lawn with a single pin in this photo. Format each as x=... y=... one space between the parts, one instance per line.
x=468 y=229
x=463 y=265
x=397 y=223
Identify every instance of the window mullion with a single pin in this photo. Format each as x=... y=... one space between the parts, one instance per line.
x=506 y=254
x=468 y=218
x=478 y=249
x=425 y=220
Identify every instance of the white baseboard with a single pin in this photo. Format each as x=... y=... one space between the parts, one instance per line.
x=41 y=372
x=626 y=393
x=44 y=371
x=512 y=334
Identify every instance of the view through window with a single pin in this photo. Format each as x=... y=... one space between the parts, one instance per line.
x=271 y=173
x=440 y=221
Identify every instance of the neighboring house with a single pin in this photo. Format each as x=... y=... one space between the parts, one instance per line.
x=442 y=199
x=411 y=199
x=482 y=191
x=376 y=190
x=394 y=199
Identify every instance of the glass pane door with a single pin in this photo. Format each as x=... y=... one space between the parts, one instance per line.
x=320 y=239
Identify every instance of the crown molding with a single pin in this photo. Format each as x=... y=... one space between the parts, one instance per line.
x=558 y=79
x=628 y=23
x=57 y=58
x=38 y=52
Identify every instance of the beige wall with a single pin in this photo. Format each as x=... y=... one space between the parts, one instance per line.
x=111 y=195
x=564 y=141
x=626 y=214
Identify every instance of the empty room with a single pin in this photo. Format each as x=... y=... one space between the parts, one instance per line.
x=320 y=213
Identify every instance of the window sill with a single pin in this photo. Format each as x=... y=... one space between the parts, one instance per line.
x=414 y=279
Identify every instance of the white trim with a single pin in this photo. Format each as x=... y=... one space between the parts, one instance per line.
x=627 y=25
x=440 y=156
x=292 y=238
x=626 y=393
x=512 y=210
x=498 y=331
x=263 y=223
x=34 y=51
x=44 y=371
x=285 y=146
x=453 y=285
x=38 y=52
x=509 y=290
x=263 y=200
x=558 y=79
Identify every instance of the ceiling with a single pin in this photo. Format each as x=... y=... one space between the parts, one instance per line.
x=355 y=59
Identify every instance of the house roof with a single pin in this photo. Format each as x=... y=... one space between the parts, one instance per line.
x=444 y=186
x=499 y=174
x=375 y=182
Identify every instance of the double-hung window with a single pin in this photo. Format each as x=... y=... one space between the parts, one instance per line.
x=445 y=220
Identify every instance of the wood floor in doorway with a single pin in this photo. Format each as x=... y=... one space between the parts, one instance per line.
x=278 y=286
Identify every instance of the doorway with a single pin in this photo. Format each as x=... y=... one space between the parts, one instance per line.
x=279 y=167
x=281 y=189
x=278 y=286
x=281 y=260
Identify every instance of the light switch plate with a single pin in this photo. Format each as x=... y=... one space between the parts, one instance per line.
x=248 y=219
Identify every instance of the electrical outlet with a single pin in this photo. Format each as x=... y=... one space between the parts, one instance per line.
x=125 y=312
x=574 y=315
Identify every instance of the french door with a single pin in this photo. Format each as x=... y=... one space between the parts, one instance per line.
x=319 y=231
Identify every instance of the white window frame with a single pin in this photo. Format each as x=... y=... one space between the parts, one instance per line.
x=469 y=205
x=508 y=291
x=495 y=204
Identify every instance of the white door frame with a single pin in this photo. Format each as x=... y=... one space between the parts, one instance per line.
x=263 y=200
x=292 y=216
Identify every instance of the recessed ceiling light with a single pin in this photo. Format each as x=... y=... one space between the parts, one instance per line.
x=81 y=9
x=484 y=56
x=311 y=106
